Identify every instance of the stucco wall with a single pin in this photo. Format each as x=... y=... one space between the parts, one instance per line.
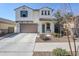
x=34 y=15
x=44 y=22
x=46 y=16
x=5 y=26
x=30 y=14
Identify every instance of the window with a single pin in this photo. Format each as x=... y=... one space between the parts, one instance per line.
x=48 y=12
x=45 y=12
x=42 y=13
x=23 y=13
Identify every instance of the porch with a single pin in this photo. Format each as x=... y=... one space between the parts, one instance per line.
x=45 y=26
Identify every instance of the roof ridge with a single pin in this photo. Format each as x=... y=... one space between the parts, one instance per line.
x=33 y=8
x=6 y=20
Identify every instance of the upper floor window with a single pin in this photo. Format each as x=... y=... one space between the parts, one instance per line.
x=42 y=13
x=23 y=13
x=48 y=12
x=45 y=12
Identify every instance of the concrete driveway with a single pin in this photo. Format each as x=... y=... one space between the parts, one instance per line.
x=18 y=45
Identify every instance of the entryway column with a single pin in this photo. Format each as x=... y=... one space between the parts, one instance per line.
x=45 y=28
x=40 y=28
x=17 y=29
x=52 y=27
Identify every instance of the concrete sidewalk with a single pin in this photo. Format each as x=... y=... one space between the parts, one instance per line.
x=50 y=46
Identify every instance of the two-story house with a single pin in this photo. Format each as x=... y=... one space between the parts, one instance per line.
x=30 y=20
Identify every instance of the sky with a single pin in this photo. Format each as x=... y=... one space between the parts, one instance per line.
x=7 y=9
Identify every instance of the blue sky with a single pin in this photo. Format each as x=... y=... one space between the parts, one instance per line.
x=7 y=9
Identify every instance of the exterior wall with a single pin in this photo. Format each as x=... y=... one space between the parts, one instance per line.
x=77 y=26
x=46 y=16
x=33 y=15
x=30 y=14
x=17 y=28
x=36 y=16
x=70 y=26
x=44 y=22
x=6 y=28
x=52 y=27
x=40 y=27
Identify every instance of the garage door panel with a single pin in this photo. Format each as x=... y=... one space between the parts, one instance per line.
x=28 y=28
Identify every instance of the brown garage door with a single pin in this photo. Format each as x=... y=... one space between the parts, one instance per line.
x=28 y=28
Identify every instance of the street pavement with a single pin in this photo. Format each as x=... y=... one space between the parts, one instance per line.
x=21 y=44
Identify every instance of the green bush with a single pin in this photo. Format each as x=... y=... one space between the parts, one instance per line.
x=60 y=52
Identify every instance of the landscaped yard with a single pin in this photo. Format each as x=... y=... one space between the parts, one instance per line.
x=60 y=41
x=54 y=39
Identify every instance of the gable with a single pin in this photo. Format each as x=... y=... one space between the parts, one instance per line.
x=23 y=8
x=46 y=8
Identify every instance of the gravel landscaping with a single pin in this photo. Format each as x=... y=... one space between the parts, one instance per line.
x=45 y=47
x=54 y=39
x=43 y=53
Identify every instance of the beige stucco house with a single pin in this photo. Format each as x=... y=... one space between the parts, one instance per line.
x=6 y=26
x=30 y=20
x=77 y=25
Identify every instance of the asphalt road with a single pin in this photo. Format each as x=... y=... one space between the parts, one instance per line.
x=18 y=45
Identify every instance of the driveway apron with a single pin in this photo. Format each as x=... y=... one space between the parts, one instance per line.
x=18 y=45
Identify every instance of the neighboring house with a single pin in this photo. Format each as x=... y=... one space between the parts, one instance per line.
x=6 y=26
x=70 y=25
x=30 y=20
x=77 y=26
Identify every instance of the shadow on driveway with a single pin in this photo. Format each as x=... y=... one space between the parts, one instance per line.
x=12 y=35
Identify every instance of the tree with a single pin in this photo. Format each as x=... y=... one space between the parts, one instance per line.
x=65 y=20
x=59 y=20
x=70 y=18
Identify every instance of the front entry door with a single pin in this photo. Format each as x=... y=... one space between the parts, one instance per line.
x=48 y=27
x=43 y=28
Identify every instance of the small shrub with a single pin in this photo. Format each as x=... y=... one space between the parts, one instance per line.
x=56 y=35
x=60 y=52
